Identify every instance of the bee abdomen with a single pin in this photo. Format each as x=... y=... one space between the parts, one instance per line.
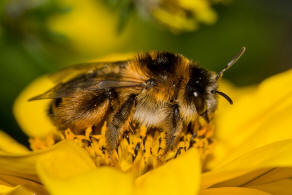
x=82 y=110
x=52 y=106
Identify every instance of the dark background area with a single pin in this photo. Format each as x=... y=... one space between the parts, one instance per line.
x=30 y=46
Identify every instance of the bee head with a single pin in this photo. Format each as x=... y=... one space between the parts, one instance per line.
x=201 y=89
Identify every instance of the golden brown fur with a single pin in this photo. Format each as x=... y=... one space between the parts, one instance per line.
x=156 y=89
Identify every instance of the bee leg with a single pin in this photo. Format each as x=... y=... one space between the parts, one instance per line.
x=206 y=116
x=174 y=128
x=119 y=123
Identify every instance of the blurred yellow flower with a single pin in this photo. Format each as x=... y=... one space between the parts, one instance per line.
x=90 y=27
x=180 y=15
x=251 y=155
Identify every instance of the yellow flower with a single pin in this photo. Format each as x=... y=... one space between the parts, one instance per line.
x=94 y=28
x=251 y=155
x=180 y=15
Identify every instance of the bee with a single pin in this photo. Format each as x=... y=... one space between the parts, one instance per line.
x=155 y=89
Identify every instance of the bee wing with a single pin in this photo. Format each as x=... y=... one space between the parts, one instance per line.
x=117 y=84
x=85 y=83
x=100 y=68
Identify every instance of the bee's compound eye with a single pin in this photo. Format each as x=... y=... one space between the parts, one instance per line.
x=196 y=94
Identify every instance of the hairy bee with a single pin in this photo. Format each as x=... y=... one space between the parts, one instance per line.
x=156 y=89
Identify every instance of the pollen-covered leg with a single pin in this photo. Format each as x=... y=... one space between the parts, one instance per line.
x=174 y=128
x=119 y=122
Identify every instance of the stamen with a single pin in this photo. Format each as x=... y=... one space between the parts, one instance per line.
x=139 y=150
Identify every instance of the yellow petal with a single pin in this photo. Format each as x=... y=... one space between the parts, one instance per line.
x=272 y=155
x=232 y=191
x=259 y=177
x=66 y=160
x=22 y=184
x=104 y=180
x=32 y=116
x=9 y=145
x=74 y=173
x=261 y=121
x=235 y=93
x=258 y=118
x=178 y=176
x=201 y=9
x=222 y=147
x=275 y=128
x=5 y=189
x=281 y=187
x=18 y=190
x=272 y=175
x=23 y=167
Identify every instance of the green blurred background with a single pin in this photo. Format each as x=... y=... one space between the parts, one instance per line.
x=40 y=36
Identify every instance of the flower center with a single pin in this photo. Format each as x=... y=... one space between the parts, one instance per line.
x=139 y=150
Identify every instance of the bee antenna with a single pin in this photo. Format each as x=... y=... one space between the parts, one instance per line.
x=233 y=61
x=224 y=95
